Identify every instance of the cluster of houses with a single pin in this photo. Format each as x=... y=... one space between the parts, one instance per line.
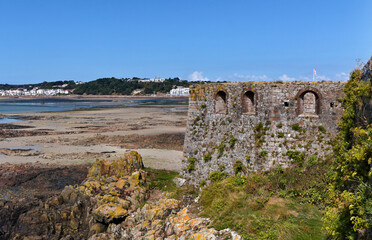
x=34 y=92
x=179 y=91
x=157 y=80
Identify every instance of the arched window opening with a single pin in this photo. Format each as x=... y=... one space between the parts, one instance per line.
x=309 y=103
x=248 y=102
x=221 y=102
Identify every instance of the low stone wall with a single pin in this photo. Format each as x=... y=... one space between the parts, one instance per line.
x=256 y=126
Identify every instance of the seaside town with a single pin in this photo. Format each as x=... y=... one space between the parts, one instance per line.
x=61 y=89
x=34 y=92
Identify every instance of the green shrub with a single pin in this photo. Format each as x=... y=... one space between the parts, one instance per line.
x=207 y=157
x=349 y=212
x=322 y=129
x=232 y=141
x=196 y=120
x=238 y=167
x=311 y=161
x=222 y=167
x=221 y=149
x=281 y=135
x=297 y=157
x=297 y=127
x=191 y=166
x=259 y=132
x=258 y=127
x=280 y=125
x=263 y=154
x=217 y=176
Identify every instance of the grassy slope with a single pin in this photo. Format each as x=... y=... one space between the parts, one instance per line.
x=282 y=204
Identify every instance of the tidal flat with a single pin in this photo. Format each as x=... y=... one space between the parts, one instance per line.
x=41 y=146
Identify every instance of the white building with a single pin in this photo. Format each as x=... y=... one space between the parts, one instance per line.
x=152 y=80
x=158 y=79
x=179 y=91
x=34 y=92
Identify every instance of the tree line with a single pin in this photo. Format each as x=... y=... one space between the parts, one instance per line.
x=110 y=86
x=44 y=85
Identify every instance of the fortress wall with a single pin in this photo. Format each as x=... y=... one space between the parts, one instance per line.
x=257 y=123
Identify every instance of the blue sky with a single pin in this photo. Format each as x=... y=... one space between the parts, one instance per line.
x=237 y=40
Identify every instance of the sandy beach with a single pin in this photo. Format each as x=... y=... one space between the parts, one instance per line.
x=81 y=137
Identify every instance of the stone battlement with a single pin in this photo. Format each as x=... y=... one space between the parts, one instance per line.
x=258 y=125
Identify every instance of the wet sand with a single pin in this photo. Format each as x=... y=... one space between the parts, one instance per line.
x=81 y=137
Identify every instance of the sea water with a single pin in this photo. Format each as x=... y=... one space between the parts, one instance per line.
x=15 y=105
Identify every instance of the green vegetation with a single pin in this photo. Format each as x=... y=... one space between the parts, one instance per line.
x=238 y=167
x=232 y=141
x=349 y=211
x=221 y=149
x=259 y=132
x=191 y=166
x=161 y=179
x=263 y=154
x=207 y=157
x=259 y=127
x=44 y=85
x=322 y=129
x=297 y=157
x=297 y=127
x=196 y=120
x=217 y=176
x=311 y=161
x=109 y=86
x=281 y=204
x=222 y=167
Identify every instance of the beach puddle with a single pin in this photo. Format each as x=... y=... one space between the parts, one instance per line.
x=28 y=147
x=27 y=150
x=8 y=120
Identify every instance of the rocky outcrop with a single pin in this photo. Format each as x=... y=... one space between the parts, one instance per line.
x=367 y=70
x=164 y=219
x=111 y=204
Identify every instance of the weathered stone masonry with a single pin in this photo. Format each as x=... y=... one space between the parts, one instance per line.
x=258 y=123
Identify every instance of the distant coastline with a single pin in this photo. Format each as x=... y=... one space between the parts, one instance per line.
x=98 y=97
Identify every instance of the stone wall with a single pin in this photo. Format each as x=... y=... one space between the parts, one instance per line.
x=258 y=125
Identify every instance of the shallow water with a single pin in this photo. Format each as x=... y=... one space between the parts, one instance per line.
x=8 y=120
x=60 y=104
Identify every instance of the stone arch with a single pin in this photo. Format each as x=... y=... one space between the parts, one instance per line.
x=248 y=102
x=309 y=102
x=220 y=102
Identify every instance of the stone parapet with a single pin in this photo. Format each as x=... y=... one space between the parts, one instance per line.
x=258 y=125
